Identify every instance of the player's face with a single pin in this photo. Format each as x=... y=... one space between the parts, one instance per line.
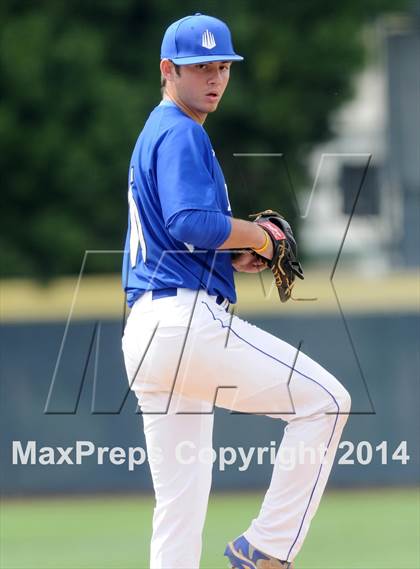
x=201 y=86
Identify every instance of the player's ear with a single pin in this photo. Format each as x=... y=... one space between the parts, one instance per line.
x=167 y=69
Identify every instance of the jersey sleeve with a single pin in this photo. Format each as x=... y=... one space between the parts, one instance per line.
x=183 y=171
x=204 y=229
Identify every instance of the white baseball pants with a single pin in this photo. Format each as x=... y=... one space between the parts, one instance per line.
x=184 y=354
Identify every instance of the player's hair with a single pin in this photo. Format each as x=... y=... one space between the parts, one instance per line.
x=163 y=80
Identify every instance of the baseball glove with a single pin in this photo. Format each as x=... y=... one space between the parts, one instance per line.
x=284 y=264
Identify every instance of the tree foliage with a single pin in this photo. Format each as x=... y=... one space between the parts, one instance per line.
x=79 y=78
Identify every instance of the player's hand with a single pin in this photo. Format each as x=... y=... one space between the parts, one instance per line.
x=247 y=262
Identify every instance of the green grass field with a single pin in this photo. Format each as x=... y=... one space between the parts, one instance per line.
x=370 y=529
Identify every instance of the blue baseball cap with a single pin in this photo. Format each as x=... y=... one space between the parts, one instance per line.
x=198 y=39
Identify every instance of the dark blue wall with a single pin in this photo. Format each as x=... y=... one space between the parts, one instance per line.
x=378 y=363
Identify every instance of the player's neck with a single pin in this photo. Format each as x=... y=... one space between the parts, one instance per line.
x=198 y=117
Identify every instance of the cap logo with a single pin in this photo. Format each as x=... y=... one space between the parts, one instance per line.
x=207 y=40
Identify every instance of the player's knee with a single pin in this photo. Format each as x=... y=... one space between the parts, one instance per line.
x=343 y=399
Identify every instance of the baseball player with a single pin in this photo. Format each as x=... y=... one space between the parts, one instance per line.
x=184 y=351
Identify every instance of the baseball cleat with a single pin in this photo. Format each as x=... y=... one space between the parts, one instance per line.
x=243 y=555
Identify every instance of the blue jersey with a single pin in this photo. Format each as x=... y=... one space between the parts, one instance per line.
x=179 y=210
